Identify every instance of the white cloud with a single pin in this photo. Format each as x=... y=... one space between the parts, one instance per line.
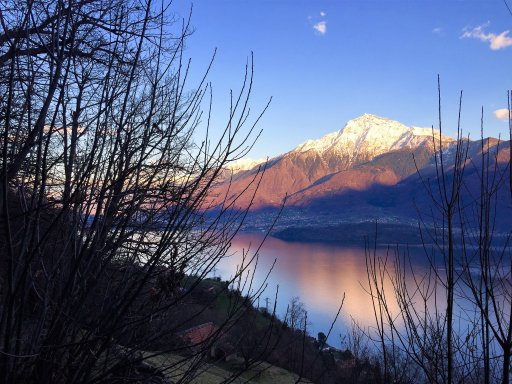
x=501 y=114
x=496 y=41
x=323 y=14
x=321 y=27
x=437 y=30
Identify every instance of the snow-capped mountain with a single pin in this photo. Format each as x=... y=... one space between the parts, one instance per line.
x=367 y=137
x=368 y=153
x=368 y=150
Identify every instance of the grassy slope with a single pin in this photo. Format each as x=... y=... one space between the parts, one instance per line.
x=263 y=373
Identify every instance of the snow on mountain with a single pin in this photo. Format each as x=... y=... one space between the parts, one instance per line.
x=368 y=136
x=244 y=164
x=367 y=169
x=368 y=153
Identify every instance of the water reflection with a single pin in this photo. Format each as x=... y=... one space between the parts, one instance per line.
x=319 y=274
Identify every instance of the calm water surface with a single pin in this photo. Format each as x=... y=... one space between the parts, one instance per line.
x=319 y=274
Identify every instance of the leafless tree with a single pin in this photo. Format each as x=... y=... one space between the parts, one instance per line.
x=487 y=260
x=468 y=339
x=107 y=163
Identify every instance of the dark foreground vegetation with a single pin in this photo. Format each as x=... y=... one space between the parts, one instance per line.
x=105 y=246
x=452 y=323
x=103 y=141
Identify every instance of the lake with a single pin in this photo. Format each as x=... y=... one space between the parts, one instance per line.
x=319 y=274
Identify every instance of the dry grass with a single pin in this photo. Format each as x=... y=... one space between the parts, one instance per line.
x=263 y=373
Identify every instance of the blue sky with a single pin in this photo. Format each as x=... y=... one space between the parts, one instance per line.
x=326 y=62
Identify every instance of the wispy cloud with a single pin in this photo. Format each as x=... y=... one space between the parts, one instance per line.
x=497 y=42
x=321 y=27
x=501 y=114
x=437 y=31
x=323 y=14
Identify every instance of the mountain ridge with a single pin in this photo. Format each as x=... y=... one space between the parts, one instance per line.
x=368 y=150
x=374 y=131
x=361 y=139
x=372 y=169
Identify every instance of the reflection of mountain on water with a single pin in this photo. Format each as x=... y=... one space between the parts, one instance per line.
x=319 y=274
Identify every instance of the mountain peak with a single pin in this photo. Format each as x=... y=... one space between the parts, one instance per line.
x=367 y=136
x=373 y=128
x=369 y=117
x=361 y=130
